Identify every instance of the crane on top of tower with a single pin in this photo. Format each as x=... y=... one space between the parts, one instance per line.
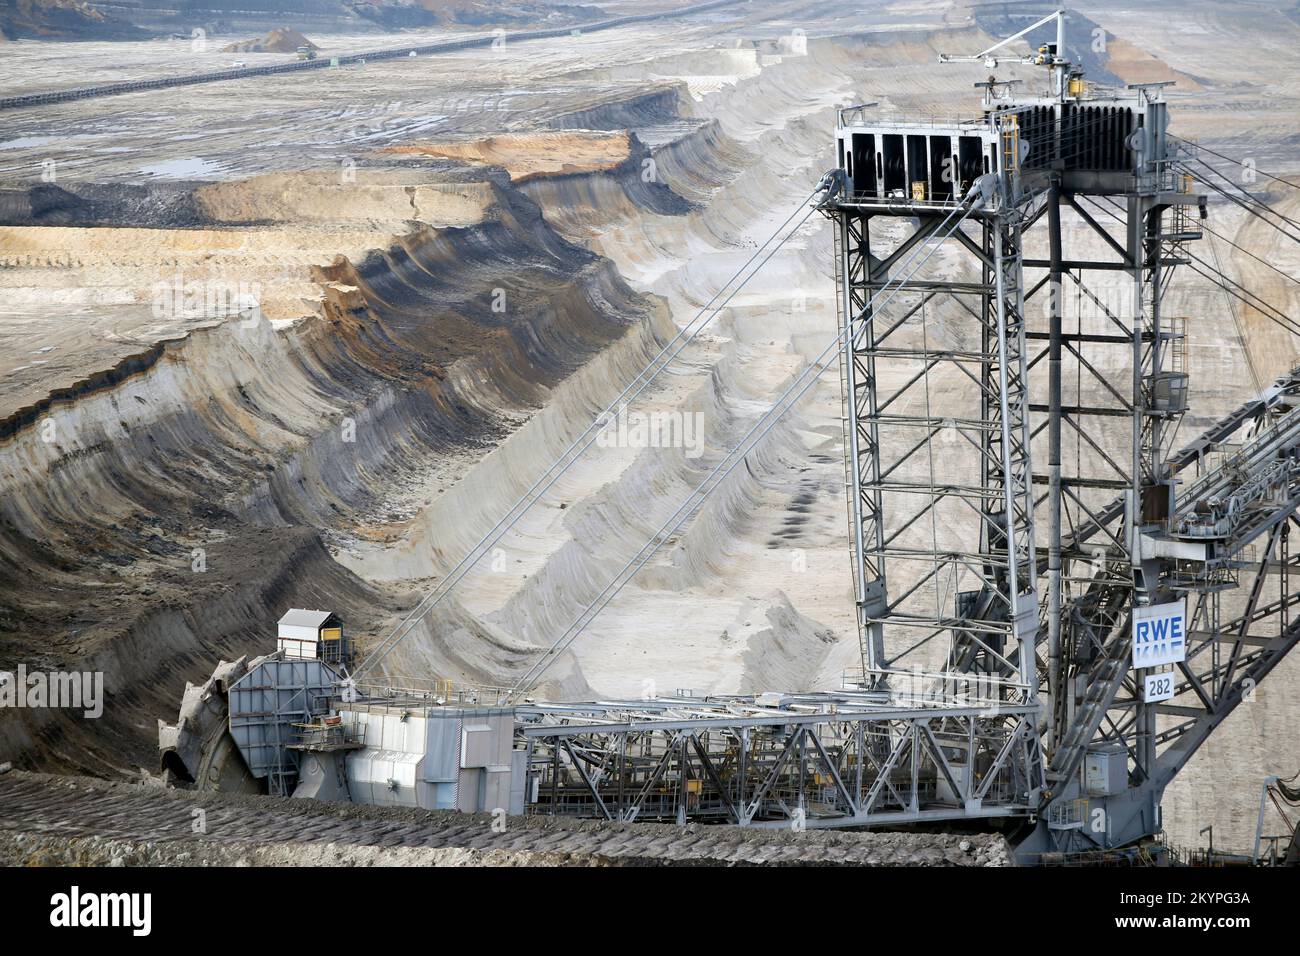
x=1050 y=55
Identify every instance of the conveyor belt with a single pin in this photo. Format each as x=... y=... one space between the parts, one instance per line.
x=296 y=66
x=1284 y=388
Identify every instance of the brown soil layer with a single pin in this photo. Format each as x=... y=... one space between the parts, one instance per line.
x=281 y=40
x=526 y=155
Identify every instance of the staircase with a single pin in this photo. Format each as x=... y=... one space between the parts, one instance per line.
x=1103 y=684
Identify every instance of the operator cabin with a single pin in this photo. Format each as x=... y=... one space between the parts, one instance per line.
x=313 y=635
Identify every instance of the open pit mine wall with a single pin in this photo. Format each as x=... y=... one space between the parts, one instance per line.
x=230 y=440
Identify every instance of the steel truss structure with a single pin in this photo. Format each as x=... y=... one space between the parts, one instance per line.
x=959 y=401
x=978 y=551
x=895 y=422
x=937 y=426
x=1225 y=547
x=815 y=760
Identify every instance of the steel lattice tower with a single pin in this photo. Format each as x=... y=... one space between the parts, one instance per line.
x=956 y=418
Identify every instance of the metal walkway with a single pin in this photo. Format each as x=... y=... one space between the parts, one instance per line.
x=846 y=759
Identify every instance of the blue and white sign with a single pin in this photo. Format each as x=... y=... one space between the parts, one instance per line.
x=1160 y=634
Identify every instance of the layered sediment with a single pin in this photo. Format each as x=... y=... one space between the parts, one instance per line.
x=456 y=267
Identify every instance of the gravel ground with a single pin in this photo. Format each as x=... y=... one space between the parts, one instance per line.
x=48 y=820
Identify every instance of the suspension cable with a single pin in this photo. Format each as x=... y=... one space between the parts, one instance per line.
x=1232 y=311
x=1250 y=204
x=574 y=451
x=1235 y=162
x=1268 y=310
x=740 y=453
x=1262 y=261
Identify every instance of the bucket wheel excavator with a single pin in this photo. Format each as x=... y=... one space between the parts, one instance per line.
x=198 y=752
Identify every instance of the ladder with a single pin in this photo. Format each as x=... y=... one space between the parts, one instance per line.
x=1011 y=144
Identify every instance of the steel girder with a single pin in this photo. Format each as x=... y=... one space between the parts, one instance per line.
x=689 y=761
x=914 y=451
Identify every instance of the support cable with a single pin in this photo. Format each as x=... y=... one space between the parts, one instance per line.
x=1240 y=292
x=1236 y=322
x=1246 y=194
x=1269 y=311
x=1251 y=205
x=574 y=451
x=1245 y=251
x=740 y=453
x=1235 y=162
